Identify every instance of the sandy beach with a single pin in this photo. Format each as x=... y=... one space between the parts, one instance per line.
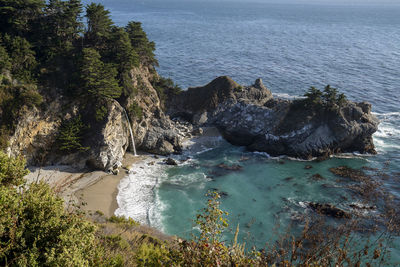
x=97 y=189
x=102 y=194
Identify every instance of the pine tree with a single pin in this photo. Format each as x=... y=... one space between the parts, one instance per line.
x=99 y=79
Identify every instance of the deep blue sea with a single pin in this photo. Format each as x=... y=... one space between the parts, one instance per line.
x=355 y=48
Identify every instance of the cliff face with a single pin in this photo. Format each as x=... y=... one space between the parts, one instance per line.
x=154 y=132
x=36 y=134
x=105 y=140
x=249 y=116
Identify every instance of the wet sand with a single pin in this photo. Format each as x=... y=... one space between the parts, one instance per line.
x=102 y=195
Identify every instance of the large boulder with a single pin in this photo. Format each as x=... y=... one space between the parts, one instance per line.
x=250 y=116
x=198 y=104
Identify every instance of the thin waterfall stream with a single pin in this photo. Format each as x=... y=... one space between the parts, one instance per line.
x=130 y=130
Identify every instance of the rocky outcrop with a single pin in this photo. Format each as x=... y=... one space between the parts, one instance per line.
x=106 y=139
x=249 y=116
x=154 y=132
x=200 y=104
x=36 y=134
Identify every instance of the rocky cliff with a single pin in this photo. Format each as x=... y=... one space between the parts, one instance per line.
x=250 y=116
x=104 y=141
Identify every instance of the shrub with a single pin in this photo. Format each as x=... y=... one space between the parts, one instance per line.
x=12 y=170
x=154 y=255
x=35 y=229
x=122 y=220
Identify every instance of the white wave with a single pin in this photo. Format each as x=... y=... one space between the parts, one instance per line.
x=155 y=211
x=137 y=195
x=386 y=114
x=264 y=154
x=387 y=130
x=135 y=192
x=287 y=96
x=300 y=159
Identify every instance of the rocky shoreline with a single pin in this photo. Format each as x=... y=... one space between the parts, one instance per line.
x=245 y=115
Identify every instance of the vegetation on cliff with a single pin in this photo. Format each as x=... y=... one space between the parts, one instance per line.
x=47 y=50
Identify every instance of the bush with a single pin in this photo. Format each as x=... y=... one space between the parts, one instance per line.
x=122 y=220
x=35 y=229
x=154 y=255
x=12 y=170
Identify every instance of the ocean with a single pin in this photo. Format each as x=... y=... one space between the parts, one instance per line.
x=355 y=48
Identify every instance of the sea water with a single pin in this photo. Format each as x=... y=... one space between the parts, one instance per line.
x=355 y=48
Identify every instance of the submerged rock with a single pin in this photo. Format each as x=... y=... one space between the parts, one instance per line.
x=234 y=167
x=317 y=177
x=250 y=116
x=329 y=210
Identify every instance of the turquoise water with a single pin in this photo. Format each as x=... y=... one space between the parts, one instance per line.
x=291 y=47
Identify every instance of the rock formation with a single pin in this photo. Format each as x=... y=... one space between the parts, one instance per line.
x=107 y=140
x=251 y=117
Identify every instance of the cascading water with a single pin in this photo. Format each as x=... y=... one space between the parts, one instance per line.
x=130 y=130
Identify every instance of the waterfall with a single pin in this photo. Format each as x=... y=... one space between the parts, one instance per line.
x=130 y=130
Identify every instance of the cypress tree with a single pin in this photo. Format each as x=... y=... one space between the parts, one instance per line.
x=99 y=79
x=16 y=15
x=141 y=43
x=99 y=25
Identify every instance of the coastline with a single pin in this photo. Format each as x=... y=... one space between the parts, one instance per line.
x=101 y=195
x=97 y=189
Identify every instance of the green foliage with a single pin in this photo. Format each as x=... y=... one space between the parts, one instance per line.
x=314 y=96
x=12 y=170
x=35 y=229
x=23 y=60
x=136 y=110
x=4 y=136
x=165 y=88
x=61 y=27
x=71 y=135
x=12 y=100
x=99 y=25
x=121 y=51
x=328 y=99
x=212 y=220
x=99 y=79
x=16 y=16
x=141 y=43
x=153 y=255
x=101 y=113
x=122 y=220
x=5 y=61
